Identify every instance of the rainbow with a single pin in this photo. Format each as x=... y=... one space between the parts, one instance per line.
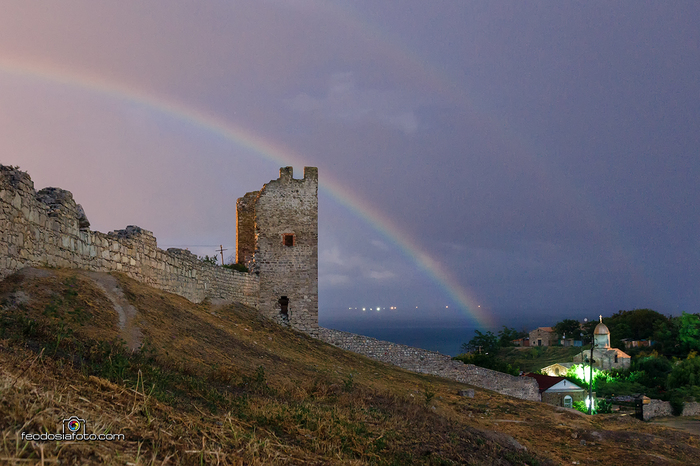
x=270 y=150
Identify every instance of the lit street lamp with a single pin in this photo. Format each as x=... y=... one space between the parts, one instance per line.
x=590 y=379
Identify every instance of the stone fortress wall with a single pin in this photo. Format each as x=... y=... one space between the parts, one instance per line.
x=431 y=362
x=47 y=228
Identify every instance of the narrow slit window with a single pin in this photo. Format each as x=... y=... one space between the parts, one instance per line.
x=288 y=240
x=284 y=305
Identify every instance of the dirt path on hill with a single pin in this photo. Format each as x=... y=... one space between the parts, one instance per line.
x=691 y=425
x=127 y=313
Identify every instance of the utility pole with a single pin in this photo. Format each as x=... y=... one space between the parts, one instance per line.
x=221 y=250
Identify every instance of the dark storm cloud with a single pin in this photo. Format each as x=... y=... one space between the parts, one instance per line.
x=546 y=154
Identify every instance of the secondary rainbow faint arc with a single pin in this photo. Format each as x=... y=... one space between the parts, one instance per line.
x=267 y=149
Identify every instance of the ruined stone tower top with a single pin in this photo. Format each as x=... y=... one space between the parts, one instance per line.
x=277 y=238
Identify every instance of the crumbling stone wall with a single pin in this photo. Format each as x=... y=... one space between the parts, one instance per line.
x=431 y=362
x=49 y=229
x=245 y=227
x=691 y=409
x=656 y=408
x=285 y=255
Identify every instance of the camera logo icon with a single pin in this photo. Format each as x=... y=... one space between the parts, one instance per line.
x=74 y=425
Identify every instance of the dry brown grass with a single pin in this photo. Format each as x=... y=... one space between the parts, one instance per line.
x=221 y=385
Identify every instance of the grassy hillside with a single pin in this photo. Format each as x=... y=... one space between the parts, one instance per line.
x=221 y=385
x=535 y=358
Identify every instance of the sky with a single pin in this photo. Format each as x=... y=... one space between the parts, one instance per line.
x=481 y=163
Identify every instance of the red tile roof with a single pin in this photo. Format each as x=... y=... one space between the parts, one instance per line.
x=546 y=329
x=620 y=353
x=545 y=381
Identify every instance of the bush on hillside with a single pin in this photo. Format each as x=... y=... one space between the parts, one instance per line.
x=481 y=343
x=686 y=373
x=605 y=388
x=651 y=371
x=487 y=361
x=209 y=260
x=237 y=267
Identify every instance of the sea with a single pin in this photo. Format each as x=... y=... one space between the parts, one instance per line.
x=446 y=340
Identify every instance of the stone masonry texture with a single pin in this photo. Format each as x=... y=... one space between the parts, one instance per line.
x=245 y=227
x=47 y=228
x=656 y=408
x=431 y=362
x=659 y=408
x=691 y=409
x=284 y=207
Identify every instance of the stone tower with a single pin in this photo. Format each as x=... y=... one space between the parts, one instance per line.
x=277 y=238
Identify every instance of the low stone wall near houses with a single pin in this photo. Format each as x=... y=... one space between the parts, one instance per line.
x=47 y=228
x=657 y=408
x=691 y=409
x=431 y=362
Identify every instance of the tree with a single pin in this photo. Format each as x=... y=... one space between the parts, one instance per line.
x=489 y=361
x=622 y=331
x=666 y=340
x=239 y=267
x=652 y=371
x=507 y=335
x=210 y=260
x=637 y=324
x=689 y=332
x=482 y=342
x=642 y=322
x=605 y=387
x=568 y=327
x=686 y=373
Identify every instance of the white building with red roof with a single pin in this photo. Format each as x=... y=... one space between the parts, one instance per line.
x=558 y=391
